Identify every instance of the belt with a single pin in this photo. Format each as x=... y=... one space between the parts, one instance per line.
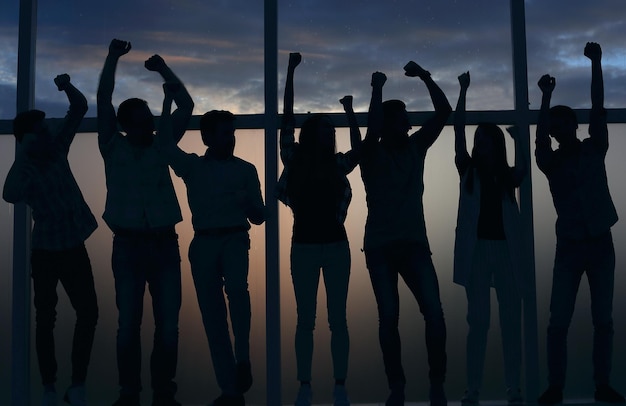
x=147 y=233
x=220 y=231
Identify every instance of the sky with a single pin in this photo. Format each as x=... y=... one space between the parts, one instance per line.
x=216 y=48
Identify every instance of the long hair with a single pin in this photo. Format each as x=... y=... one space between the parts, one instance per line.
x=313 y=161
x=500 y=170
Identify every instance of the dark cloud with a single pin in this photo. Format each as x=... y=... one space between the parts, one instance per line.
x=217 y=48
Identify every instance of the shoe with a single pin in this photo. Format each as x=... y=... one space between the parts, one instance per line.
x=229 y=400
x=49 y=398
x=437 y=395
x=75 y=395
x=606 y=394
x=164 y=400
x=127 y=400
x=340 y=396
x=396 y=397
x=305 y=396
x=552 y=396
x=514 y=397
x=244 y=376
x=470 y=398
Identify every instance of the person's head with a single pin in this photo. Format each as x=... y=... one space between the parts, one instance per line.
x=217 y=128
x=489 y=151
x=396 y=123
x=317 y=135
x=563 y=124
x=135 y=118
x=31 y=131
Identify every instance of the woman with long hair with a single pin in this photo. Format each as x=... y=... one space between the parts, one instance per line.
x=488 y=246
x=314 y=185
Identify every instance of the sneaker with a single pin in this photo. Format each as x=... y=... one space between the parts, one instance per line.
x=552 y=396
x=470 y=398
x=514 y=397
x=606 y=394
x=244 y=376
x=340 y=396
x=229 y=400
x=305 y=396
x=49 y=398
x=127 y=400
x=75 y=396
x=437 y=395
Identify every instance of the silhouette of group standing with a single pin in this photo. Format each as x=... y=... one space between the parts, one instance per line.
x=224 y=195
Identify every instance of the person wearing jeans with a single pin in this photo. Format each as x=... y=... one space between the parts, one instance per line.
x=41 y=177
x=142 y=211
x=395 y=243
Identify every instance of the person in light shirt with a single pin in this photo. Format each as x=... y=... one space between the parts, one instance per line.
x=224 y=195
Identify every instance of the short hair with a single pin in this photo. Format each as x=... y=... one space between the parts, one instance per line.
x=126 y=108
x=25 y=121
x=390 y=108
x=210 y=120
x=564 y=112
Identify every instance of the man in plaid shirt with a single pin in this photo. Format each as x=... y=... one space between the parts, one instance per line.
x=41 y=177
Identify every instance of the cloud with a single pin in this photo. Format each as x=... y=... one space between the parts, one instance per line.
x=216 y=48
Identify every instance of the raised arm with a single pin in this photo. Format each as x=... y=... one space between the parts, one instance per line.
x=543 y=149
x=167 y=143
x=287 y=139
x=461 y=157
x=184 y=103
x=355 y=132
x=107 y=121
x=375 y=113
x=597 y=121
x=78 y=109
x=432 y=127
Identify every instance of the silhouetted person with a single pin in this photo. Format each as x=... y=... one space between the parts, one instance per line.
x=224 y=196
x=315 y=186
x=392 y=168
x=41 y=177
x=576 y=174
x=142 y=210
x=488 y=247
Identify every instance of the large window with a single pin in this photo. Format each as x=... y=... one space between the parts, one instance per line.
x=217 y=49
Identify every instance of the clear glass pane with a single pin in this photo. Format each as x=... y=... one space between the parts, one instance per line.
x=341 y=48
x=557 y=32
x=216 y=48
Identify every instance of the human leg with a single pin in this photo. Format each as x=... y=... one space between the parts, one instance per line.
x=478 y=293
x=336 y=270
x=568 y=269
x=77 y=280
x=204 y=254
x=163 y=277
x=45 y=268
x=305 y=273
x=420 y=276
x=384 y=278
x=510 y=314
x=130 y=281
